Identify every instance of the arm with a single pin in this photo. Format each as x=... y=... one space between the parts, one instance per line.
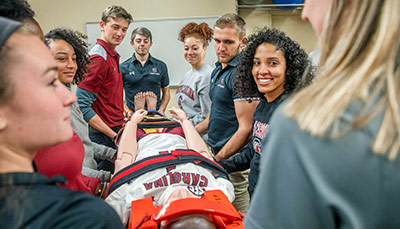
x=193 y=139
x=202 y=126
x=164 y=99
x=238 y=162
x=99 y=125
x=85 y=100
x=244 y=113
x=127 y=149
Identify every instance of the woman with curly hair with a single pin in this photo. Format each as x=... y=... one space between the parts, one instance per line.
x=69 y=49
x=193 y=91
x=332 y=154
x=271 y=68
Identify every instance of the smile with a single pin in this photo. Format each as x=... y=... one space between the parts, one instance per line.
x=264 y=80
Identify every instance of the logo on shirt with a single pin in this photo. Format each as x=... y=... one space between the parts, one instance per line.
x=259 y=131
x=186 y=90
x=154 y=71
x=196 y=190
x=221 y=84
x=178 y=177
x=132 y=73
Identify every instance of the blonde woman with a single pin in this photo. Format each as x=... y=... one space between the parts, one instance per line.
x=333 y=159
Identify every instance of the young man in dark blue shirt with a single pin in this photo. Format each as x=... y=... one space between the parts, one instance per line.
x=142 y=72
x=231 y=117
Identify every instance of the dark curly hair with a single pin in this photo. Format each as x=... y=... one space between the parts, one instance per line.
x=202 y=29
x=18 y=10
x=297 y=63
x=78 y=41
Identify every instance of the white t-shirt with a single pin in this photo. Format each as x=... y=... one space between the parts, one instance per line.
x=161 y=182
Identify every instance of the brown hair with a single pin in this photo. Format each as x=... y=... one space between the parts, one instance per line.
x=8 y=56
x=116 y=12
x=234 y=21
x=202 y=29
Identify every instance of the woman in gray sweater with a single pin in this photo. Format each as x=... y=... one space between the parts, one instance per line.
x=69 y=75
x=193 y=91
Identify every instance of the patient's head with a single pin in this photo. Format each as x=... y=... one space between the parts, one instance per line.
x=180 y=193
x=189 y=221
x=185 y=221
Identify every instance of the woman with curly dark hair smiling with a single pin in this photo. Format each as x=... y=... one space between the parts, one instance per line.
x=272 y=67
x=77 y=40
x=69 y=49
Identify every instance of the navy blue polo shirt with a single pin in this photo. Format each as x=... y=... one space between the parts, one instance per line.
x=30 y=200
x=223 y=122
x=137 y=78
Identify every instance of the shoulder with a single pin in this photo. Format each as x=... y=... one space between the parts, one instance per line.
x=99 y=51
x=127 y=62
x=159 y=62
x=85 y=211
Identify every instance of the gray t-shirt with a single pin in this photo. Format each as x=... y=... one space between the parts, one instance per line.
x=314 y=182
x=192 y=94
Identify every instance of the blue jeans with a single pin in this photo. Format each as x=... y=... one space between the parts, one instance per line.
x=100 y=138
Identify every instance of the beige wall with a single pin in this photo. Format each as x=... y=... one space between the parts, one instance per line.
x=288 y=21
x=75 y=13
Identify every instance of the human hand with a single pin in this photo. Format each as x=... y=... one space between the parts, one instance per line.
x=178 y=114
x=138 y=115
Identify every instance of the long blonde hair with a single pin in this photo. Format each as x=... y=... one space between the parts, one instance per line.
x=359 y=61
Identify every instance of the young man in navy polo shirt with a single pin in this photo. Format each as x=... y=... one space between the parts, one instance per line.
x=100 y=95
x=142 y=72
x=231 y=117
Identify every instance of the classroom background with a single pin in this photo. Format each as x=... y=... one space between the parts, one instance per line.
x=75 y=14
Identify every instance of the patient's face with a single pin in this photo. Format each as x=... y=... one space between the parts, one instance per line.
x=180 y=194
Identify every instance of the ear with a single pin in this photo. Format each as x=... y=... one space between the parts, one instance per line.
x=131 y=42
x=102 y=24
x=243 y=42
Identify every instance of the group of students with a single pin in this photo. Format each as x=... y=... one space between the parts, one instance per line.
x=323 y=150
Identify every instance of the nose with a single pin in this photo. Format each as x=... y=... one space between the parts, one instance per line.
x=264 y=70
x=71 y=63
x=120 y=32
x=221 y=47
x=304 y=12
x=68 y=98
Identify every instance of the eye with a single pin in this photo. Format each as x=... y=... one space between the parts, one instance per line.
x=256 y=63
x=229 y=42
x=61 y=59
x=273 y=63
x=217 y=41
x=53 y=82
x=124 y=30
